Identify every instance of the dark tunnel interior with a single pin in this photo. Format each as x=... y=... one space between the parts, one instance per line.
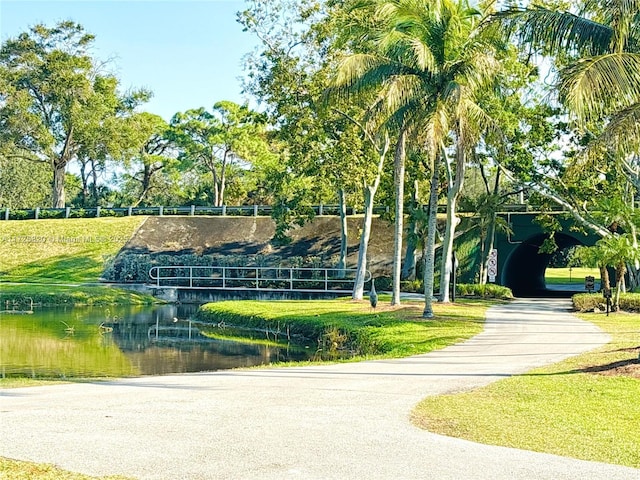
x=524 y=269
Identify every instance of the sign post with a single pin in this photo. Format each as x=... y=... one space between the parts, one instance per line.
x=492 y=265
x=606 y=293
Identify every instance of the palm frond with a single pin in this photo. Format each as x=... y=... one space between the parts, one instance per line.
x=622 y=133
x=621 y=16
x=554 y=32
x=597 y=86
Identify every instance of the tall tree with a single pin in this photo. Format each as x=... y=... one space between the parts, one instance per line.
x=218 y=139
x=428 y=62
x=596 y=48
x=155 y=153
x=54 y=97
x=319 y=149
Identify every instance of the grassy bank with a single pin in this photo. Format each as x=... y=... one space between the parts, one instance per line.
x=48 y=257
x=343 y=325
x=20 y=296
x=585 y=407
x=61 y=251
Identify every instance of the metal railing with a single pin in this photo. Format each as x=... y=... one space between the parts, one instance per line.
x=7 y=213
x=162 y=211
x=287 y=279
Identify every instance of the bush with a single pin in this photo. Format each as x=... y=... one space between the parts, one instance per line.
x=589 y=302
x=484 y=291
x=20 y=214
x=412 y=286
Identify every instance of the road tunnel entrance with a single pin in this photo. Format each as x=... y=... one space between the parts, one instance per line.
x=524 y=269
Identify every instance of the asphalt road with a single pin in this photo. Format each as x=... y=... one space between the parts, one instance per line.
x=347 y=421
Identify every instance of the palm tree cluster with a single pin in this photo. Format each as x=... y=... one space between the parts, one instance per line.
x=422 y=65
x=426 y=68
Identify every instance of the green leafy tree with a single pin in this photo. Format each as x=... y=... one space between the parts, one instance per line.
x=617 y=251
x=230 y=134
x=428 y=63
x=155 y=154
x=55 y=99
x=23 y=184
x=319 y=154
x=595 y=47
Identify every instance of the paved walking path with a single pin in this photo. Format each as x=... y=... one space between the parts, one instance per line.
x=347 y=421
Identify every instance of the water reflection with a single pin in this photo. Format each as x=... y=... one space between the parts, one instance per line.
x=121 y=341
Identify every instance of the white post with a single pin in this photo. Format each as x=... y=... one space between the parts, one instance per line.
x=255 y=210
x=97 y=212
x=129 y=211
x=67 y=212
x=161 y=213
x=37 y=213
x=224 y=210
x=193 y=211
x=6 y=213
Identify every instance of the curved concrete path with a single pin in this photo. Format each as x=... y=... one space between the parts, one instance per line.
x=348 y=421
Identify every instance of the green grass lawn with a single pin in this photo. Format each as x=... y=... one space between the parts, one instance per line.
x=48 y=295
x=346 y=325
x=566 y=409
x=61 y=251
x=574 y=275
x=48 y=257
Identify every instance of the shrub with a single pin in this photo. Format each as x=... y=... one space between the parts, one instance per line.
x=589 y=302
x=484 y=291
x=412 y=286
x=20 y=214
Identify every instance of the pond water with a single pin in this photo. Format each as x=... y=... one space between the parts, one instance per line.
x=123 y=341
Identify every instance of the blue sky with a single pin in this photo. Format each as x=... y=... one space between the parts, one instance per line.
x=188 y=53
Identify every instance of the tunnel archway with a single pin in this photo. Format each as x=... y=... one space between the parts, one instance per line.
x=523 y=271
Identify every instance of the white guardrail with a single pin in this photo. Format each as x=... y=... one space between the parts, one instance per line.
x=254 y=278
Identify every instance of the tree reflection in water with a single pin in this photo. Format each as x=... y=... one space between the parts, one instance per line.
x=122 y=342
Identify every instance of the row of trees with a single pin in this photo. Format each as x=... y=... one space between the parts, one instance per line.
x=61 y=107
x=359 y=98
x=444 y=86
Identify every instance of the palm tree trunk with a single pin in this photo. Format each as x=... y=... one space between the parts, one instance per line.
x=399 y=166
x=344 y=237
x=455 y=186
x=605 y=283
x=488 y=246
x=620 y=284
x=409 y=264
x=429 y=253
x=358 y=287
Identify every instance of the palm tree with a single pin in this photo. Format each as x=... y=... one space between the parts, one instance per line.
x=617 y=251
x=599 y=45
x=426 y=65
